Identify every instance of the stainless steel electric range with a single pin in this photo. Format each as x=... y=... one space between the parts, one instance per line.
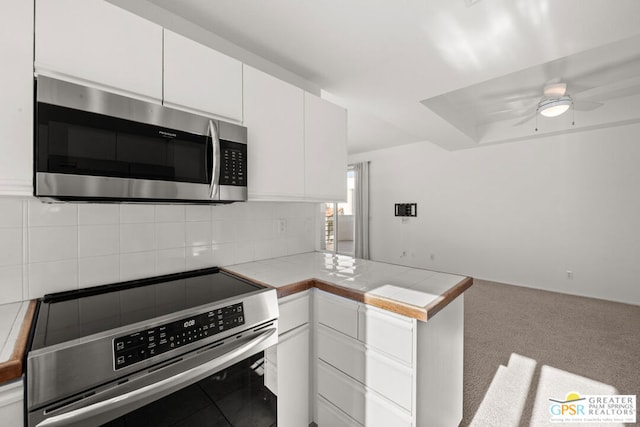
x=177 y=350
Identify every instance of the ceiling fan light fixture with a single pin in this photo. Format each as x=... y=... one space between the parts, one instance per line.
x=553 y=107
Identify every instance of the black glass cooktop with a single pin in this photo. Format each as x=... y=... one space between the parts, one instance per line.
x=70 y=315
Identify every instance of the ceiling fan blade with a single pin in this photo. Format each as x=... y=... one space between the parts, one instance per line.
x=625 y=88
x=586 y=105
x=526 y=118
x=623 y=69
x=575 y=89
x=513 y=95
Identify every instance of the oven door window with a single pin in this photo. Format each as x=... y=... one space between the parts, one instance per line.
x=81 y=143
x=233 y=397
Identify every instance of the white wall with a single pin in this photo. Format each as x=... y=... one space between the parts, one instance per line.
x=521 y=213
x=47 y=248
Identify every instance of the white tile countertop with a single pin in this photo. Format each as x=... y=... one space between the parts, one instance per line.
x=415 y=292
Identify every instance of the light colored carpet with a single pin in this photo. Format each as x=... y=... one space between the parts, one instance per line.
x=524 y=346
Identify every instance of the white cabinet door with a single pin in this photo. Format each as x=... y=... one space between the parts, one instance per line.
x=96 y=43
x=391 y=379
x=293 y=378
x=11 y=403
x=361 y=403
x=273 y=115
x=16 y=108
x=330 y=416
x=294 y=311
x=388 y=332
x=201 y=79
x=337 y=312
x=325 y=130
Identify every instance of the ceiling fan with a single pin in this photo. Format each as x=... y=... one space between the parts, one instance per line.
x=555 y=101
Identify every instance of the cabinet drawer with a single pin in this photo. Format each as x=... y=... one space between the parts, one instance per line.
x=338 y=313
x=362 y=404
x=391 y=379
x=294 y=312
x=390 y=333
x=330 y=416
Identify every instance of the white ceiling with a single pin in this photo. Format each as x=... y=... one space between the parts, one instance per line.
x=381 y=58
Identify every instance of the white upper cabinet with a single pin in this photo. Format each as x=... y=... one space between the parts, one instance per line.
x=16 y=108
x=201 y=79
x=96 y=43
x=273 y=115
x=325 y=132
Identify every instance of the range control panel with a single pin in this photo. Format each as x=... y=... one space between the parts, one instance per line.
x=133 y=348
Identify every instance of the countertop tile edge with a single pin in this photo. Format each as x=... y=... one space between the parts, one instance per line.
x=12 y=368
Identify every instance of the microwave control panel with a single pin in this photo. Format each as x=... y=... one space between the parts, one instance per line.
x=233 y=163
x=142 y=345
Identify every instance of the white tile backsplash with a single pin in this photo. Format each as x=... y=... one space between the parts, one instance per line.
x=244 y=252
x=10 y=213
x=170 y=235
x=137 y=237
x=136 y=214
x=264 y=229
x=95 y=240
x=51 y=214
x=198 y=213
x=262 y=249
x=10 y=246
x=46 y=248
x=170 y=261
x=98 y=214
x=198 y=233
x=170 y=213
x=98 y=270
x=223 y=231
x=50 y=277
x=53 y=243
x=224 y=254
x=137 y=265
x=224 y=212
x=199 y=257
x=10 y=284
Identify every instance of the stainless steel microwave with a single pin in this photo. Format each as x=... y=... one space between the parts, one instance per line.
x=92 y=145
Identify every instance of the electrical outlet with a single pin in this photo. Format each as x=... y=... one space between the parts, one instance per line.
x=282 y=226
x=569 y=274
x=433 y=257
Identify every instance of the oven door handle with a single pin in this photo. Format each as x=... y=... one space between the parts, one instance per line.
x=170 y=384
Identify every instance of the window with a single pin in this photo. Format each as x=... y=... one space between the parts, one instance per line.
x=338 y=228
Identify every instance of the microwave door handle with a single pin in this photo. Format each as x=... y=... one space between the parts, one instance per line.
x=128 y=400
x=214 y=186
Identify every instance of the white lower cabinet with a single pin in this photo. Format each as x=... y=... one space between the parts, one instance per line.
x=11 y=404
x=378 y=368
x=287 y=367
